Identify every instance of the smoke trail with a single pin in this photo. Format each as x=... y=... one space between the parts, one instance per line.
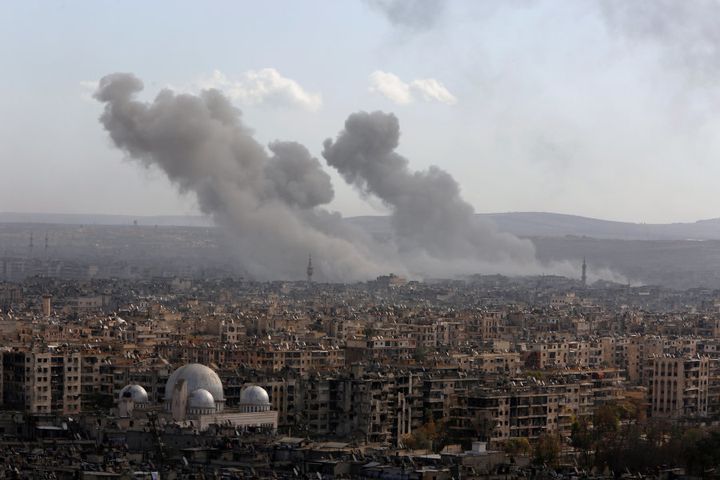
x=269 y=203
x=428 y=214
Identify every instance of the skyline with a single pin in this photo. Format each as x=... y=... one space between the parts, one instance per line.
x=590 y=117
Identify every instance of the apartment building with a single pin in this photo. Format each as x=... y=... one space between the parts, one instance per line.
x=678 y=386
x=561 y=354
x=44 y=382
x=301 y=359
x=380 y=348
x=525 y=410
x=151 y=375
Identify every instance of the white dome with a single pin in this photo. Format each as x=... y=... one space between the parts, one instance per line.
x=201 y=399
x=254 y=395
x=135 y=392
x=196 y=376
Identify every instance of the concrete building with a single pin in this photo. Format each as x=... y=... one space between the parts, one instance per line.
x=45 y=382
x=520 y=411
x=678 y=386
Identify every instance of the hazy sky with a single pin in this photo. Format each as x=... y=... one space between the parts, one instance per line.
x=603 y=108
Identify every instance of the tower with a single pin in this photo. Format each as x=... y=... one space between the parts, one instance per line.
x=46 y=305
x=30 y=245
x=310 y=269
x=583 y=278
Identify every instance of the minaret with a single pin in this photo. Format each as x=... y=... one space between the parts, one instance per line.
x=30 y=246
x=46 y=244
x=584 y=273
x=46 y=305
x=310 y=269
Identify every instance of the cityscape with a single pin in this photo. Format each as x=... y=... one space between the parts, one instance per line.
x=487 y=377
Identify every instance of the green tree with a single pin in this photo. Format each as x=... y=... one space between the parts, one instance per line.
x=581 y=438
x=420 y=354
x=547 y=449
x=431 y=436
x=690 y=450
x=606 y=420
x=707 y=453
x=517 y=446
x=580 y=434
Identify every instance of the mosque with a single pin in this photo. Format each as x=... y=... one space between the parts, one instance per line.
x=194 y=397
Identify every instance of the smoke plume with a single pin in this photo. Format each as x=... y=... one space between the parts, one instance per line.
x=428 y=213
x=269 y=202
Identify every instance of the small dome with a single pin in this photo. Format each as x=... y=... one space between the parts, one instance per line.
x=254 y=395
x=201 y=399
x=135 y=392
x=197 y=376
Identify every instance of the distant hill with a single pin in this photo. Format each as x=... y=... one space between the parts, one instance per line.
x=524 y=224
x=647 y=254
x=540 y=224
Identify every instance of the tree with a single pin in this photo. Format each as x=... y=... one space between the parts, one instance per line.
x=631 y=409
x=420 y=354
x=581 y=437
x=706 y=453
x=606 y=441
x=429 y=436
x=547 y=449
x=517 y=446
x=606 y=420
x=689 y=443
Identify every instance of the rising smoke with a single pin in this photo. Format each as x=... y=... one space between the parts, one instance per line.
x=271 y=202
x=428 y=213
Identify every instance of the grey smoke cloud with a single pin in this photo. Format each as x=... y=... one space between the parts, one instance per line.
x=298 y=177
x=428 y=212
x=271 y=201
x=688 y=32
x=268 y=203
x=415 y=14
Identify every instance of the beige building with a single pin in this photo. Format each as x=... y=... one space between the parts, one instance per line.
x=47 y=382
x=274 y=358
x=561 y=355
x=526 y=411
x=678 y=386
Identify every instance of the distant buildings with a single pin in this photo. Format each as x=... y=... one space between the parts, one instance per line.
x=386 y=365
